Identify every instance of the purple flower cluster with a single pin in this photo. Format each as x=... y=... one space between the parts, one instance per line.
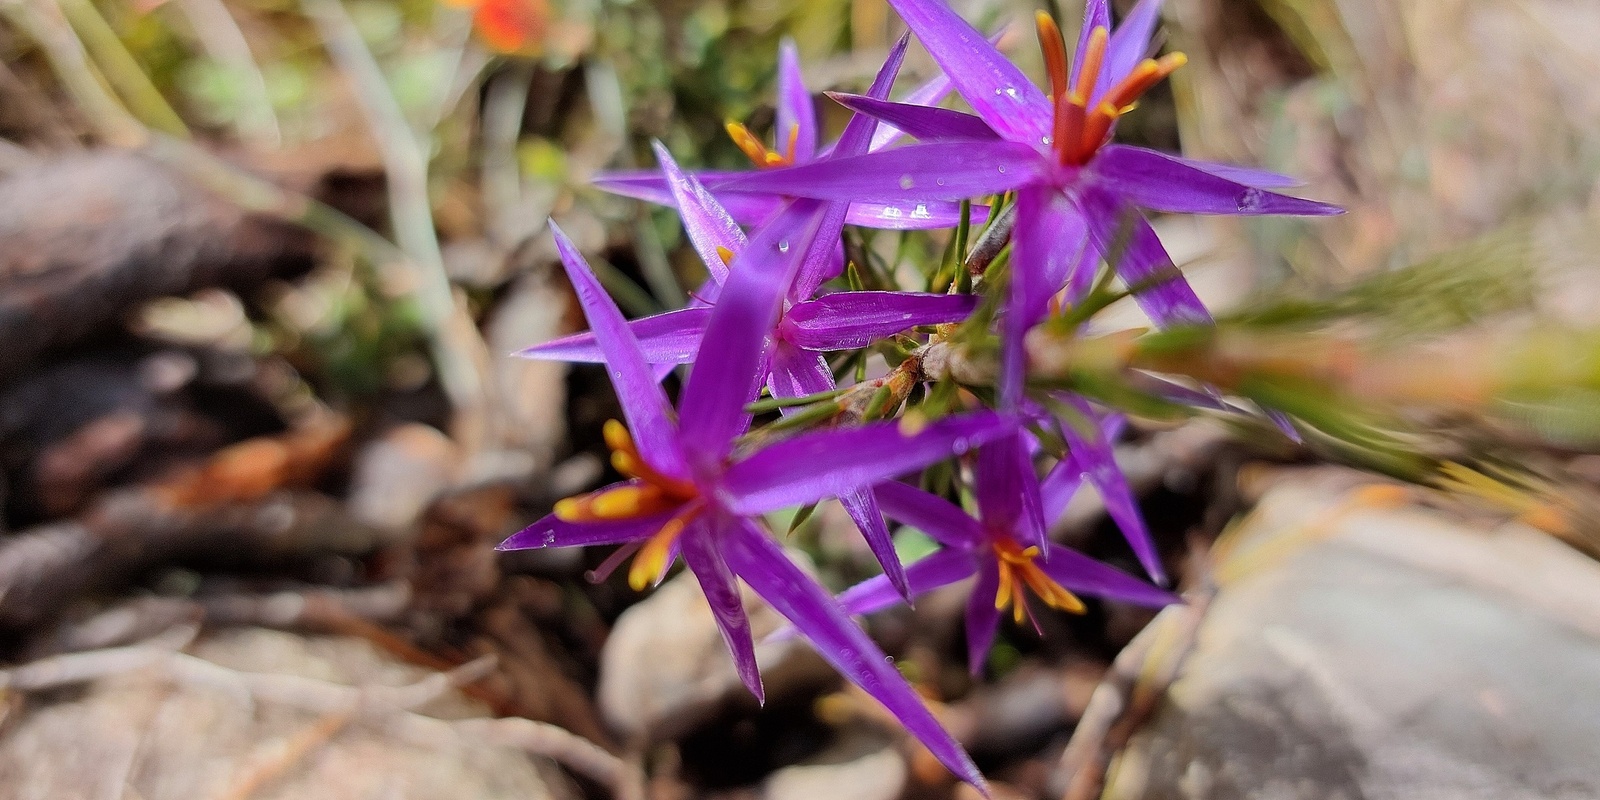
x=697 y=484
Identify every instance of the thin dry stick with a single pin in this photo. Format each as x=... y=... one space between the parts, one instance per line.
x=263 y=771
x=1128 y=694
x=459 y=351
x=44 y=24
x=220 y=36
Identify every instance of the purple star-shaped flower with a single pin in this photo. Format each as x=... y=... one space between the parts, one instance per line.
x=796 y=134
x=994 y=547
x=1078 y=196
x=805 y=329
x=689 y=493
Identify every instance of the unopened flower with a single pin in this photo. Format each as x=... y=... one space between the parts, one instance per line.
x=688 y=493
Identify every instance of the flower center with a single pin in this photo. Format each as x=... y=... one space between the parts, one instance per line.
x=1017 y=570
x=649 y=494
x=757 y=151
x=1079 y=131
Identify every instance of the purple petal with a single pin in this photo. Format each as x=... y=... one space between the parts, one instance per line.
x=1049 y=243
x=861 y=130
x=643 y=402
x=1156 y=181
x=1121 y=234
x=830 y=463
x=701 y=553
x=1129 y=44
x=553 y=532
x=992 y=85
x=1058 y=488
x=670 y=338
x=824 y=259
x=863 y=510
x=847 y=320
x=983 y=619
x=797 y=373
x=808 y=606
x=1007 y=490
x=931 y=572
x=731 y=364
x=932 y=171
x=1259 y=178
x=1093 y=457
x=1084 y=575
x=920 y=122
x=705 y=220
x=1064 y=479
x=650 y=185
x=931 y=93
x=796 y=111
x=939 y=518
x=755 y=208
x=1096 y=14
x=912 y=216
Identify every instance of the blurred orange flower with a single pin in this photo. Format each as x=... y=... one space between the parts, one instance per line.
x=509 y=26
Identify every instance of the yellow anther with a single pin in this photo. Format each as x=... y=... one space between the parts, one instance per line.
x=747 y=142
x=1017 y=569
x=726 y=255
x=616 y=435
x=650 y=565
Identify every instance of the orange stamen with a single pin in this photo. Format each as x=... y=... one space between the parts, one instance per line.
x=747 y=143
x=726 y=255
x=650 y=565
x=1142 y=79
x=1068 y=131
x=1093 y=56
x=1017 y=569
x=756 y=151
x=1055 y=53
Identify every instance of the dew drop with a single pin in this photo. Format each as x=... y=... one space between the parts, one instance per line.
x=1046 y=141
x=906 y=182
x=938 y=181
x=783 y=246
x=1251 y=200
x=1011 y=91
x=1001 y=168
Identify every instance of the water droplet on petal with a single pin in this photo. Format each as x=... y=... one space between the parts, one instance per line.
x=938 y=181
x=1251 y=200
x=783 y=246
x=906 y=182
x=1002 y=169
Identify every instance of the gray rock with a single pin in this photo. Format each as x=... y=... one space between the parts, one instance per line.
x=860 y=767
x=144 y=734
x=665 y=668
x=1357 y=651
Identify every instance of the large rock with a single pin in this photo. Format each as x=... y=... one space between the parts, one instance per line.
x=1356 y=650
x=146 y=735
x=665 y=667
